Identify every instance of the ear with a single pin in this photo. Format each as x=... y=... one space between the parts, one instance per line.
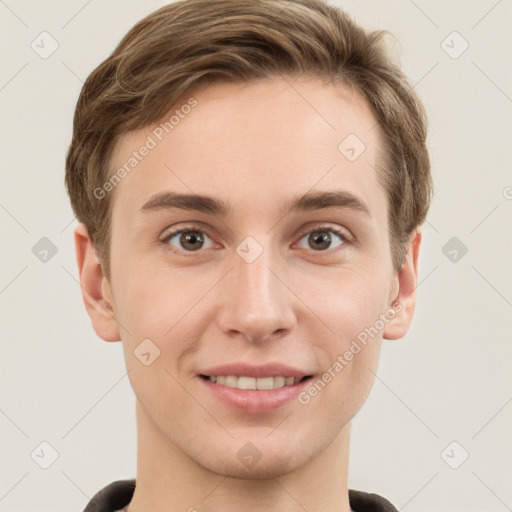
x=96 y=292
x=404 y=302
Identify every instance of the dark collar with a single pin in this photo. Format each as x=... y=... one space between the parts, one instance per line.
x=118 y=494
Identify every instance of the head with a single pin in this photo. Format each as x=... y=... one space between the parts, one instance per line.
x=249 y=108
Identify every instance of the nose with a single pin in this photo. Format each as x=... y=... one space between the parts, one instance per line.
x=256 y=302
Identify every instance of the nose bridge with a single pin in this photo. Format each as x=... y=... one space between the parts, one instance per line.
x=257 y=302
x=255 y=278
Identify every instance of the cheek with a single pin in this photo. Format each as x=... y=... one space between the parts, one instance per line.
x=157 y=311
x=350 y=306
x=348 y=301
x=350 y=363
x=165 y=307
x=156 y=301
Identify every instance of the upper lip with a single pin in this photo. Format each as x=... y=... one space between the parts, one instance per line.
x=243 y=369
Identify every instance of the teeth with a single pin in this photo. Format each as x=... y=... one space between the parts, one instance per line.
x=254 y=383
x=230 y=381
x=279 y=381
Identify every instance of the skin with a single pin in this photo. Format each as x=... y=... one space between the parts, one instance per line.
x=255 y=145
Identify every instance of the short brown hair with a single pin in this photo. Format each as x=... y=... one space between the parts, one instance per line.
x=192 y=42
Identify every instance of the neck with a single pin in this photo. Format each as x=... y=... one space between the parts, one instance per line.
x=169 y=480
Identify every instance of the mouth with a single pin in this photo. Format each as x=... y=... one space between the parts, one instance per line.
x=255 y=383
x=254 y=395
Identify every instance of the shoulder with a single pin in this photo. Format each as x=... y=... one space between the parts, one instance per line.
x=113 y=497
x=366 y=502
x=118 y=495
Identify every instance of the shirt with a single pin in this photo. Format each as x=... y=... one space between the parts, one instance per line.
x=116 y=496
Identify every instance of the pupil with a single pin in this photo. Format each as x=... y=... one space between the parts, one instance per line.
x=320 y=239
x=188 y=238
x=324 y=239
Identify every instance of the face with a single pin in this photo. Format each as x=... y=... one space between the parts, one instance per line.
x=256 y=276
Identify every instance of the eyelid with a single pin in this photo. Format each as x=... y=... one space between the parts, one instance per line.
x=168 y=234
x=343 y=233
x=340 y=231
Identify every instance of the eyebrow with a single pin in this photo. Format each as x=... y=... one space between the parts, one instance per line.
x=313 y=200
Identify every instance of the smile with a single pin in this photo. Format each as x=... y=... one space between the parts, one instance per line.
x=261 y=383
x=250 y=399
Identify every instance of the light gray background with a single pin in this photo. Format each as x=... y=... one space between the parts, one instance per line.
x=448 y=380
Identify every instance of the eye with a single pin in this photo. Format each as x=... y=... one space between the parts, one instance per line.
x=189 y=239
x=321 y=238
x=192 y=238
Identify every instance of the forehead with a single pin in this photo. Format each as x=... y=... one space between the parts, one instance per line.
x=254 y=144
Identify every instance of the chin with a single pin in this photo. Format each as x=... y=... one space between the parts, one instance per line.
x=253 y=457
x=264 y=469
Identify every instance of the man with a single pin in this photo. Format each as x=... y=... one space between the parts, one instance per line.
x=250 y=178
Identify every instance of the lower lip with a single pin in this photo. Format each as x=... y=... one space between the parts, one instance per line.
x=253 y=400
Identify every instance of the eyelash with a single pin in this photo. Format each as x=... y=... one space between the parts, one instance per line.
x=192 y=228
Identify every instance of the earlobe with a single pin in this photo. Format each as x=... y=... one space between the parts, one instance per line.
x=96 y=292
x=405 y=300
